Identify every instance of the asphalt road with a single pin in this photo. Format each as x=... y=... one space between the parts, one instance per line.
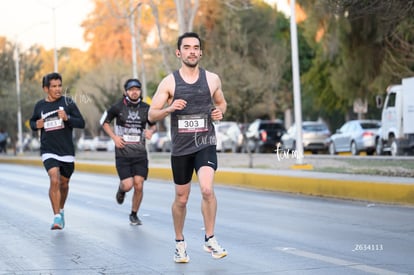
x=264 y=232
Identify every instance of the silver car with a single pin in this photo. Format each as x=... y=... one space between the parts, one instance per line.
x=355 y=136
x=229 y=136
x=315 y=137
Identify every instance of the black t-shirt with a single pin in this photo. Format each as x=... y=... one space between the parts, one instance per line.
x=130 y=123
x=56 y=135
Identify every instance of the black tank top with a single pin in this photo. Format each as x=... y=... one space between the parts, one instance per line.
x=192 y=129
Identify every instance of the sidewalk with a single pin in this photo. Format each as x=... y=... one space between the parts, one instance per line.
x=270 y=175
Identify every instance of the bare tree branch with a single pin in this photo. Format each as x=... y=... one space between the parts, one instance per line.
x=163 y=48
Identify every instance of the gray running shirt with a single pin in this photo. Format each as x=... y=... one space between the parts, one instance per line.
x=192 y=129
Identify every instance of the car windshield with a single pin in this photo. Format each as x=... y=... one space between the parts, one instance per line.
x=370 y=125
x=314 y=127
x=271 y=126
x=224 y=128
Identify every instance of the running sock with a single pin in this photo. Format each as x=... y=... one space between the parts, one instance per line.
x=133 y=213
x=208 y=238
x=57 y=216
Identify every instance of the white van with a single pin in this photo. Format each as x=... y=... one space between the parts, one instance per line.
x=396 y=135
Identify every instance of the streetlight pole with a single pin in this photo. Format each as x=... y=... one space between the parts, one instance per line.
x=19 y=107
x=296 y=82
x=131 y=18
x=133 y=39
x=54 y=40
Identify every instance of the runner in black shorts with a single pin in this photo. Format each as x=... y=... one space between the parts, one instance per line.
x=129 y=135
x=128 y=167
x=194 y=99
x=183 y=167
x=56 y=116
x=66 y=169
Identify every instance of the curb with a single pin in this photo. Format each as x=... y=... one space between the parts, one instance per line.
x=395 y=193
x=364 y=190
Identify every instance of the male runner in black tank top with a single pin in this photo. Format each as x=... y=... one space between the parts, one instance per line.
x=194 y=99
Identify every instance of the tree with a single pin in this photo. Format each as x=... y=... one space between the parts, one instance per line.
x=186 y=12
x=98 y=90
x=245 y=46
x=30 y=87
x=364 y=46
x=109 y=29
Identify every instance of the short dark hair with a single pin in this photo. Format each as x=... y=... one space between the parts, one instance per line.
x=52 y=76
x=185 y=35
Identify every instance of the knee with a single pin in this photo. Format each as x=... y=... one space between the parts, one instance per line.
x=181 y=200
x=64 y=185
x=138 y=183
x=126 y=185
x=54 y=183
x=207 y=193
x=138 y=186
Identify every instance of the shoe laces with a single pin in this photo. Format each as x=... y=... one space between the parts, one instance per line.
x=180 y=249
x=213 y=244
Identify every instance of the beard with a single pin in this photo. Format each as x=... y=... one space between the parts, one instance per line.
x=190 y=64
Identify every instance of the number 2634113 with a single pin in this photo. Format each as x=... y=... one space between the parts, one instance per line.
x=368 y=247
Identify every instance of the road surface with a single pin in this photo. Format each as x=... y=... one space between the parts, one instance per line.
x=264 y=232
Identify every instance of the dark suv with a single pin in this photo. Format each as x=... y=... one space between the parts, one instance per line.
x=264 y=135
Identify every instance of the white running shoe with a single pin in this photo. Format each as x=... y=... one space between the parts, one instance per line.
x=180 y=255
x=214 y=248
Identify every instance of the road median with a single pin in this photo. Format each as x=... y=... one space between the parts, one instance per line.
x=375 y=189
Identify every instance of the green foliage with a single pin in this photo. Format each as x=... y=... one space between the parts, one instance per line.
x=348 y=49
x=30 y=90
x=248 y=49
x=365 y=46
x=98 y=90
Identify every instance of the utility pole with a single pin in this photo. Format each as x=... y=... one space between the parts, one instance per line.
x=54 y=41
x=296 y=83
x=19 y=107
x=133 y=37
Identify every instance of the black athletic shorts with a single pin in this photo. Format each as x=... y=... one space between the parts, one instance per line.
x=184 y=166
x=130 y=167
x=65 y=168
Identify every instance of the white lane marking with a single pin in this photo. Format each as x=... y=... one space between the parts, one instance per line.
x=336 y=261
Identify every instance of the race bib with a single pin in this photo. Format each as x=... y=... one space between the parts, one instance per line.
x=192 y=123
x=53 y=124
x=132 y=138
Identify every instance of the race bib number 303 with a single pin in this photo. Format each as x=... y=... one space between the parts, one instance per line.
x=192 y=123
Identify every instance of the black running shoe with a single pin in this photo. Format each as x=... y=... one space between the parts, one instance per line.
x=120 y=196
x=134 y=220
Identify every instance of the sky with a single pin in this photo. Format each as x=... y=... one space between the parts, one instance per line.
x=30 y=22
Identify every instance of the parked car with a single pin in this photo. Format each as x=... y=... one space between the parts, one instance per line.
x=103 y=143
x=165 y=143
x=160 y=142
x=315 y=137
x=264 y=135
x=85 y=143
x=355 y=136
x=228 y=136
